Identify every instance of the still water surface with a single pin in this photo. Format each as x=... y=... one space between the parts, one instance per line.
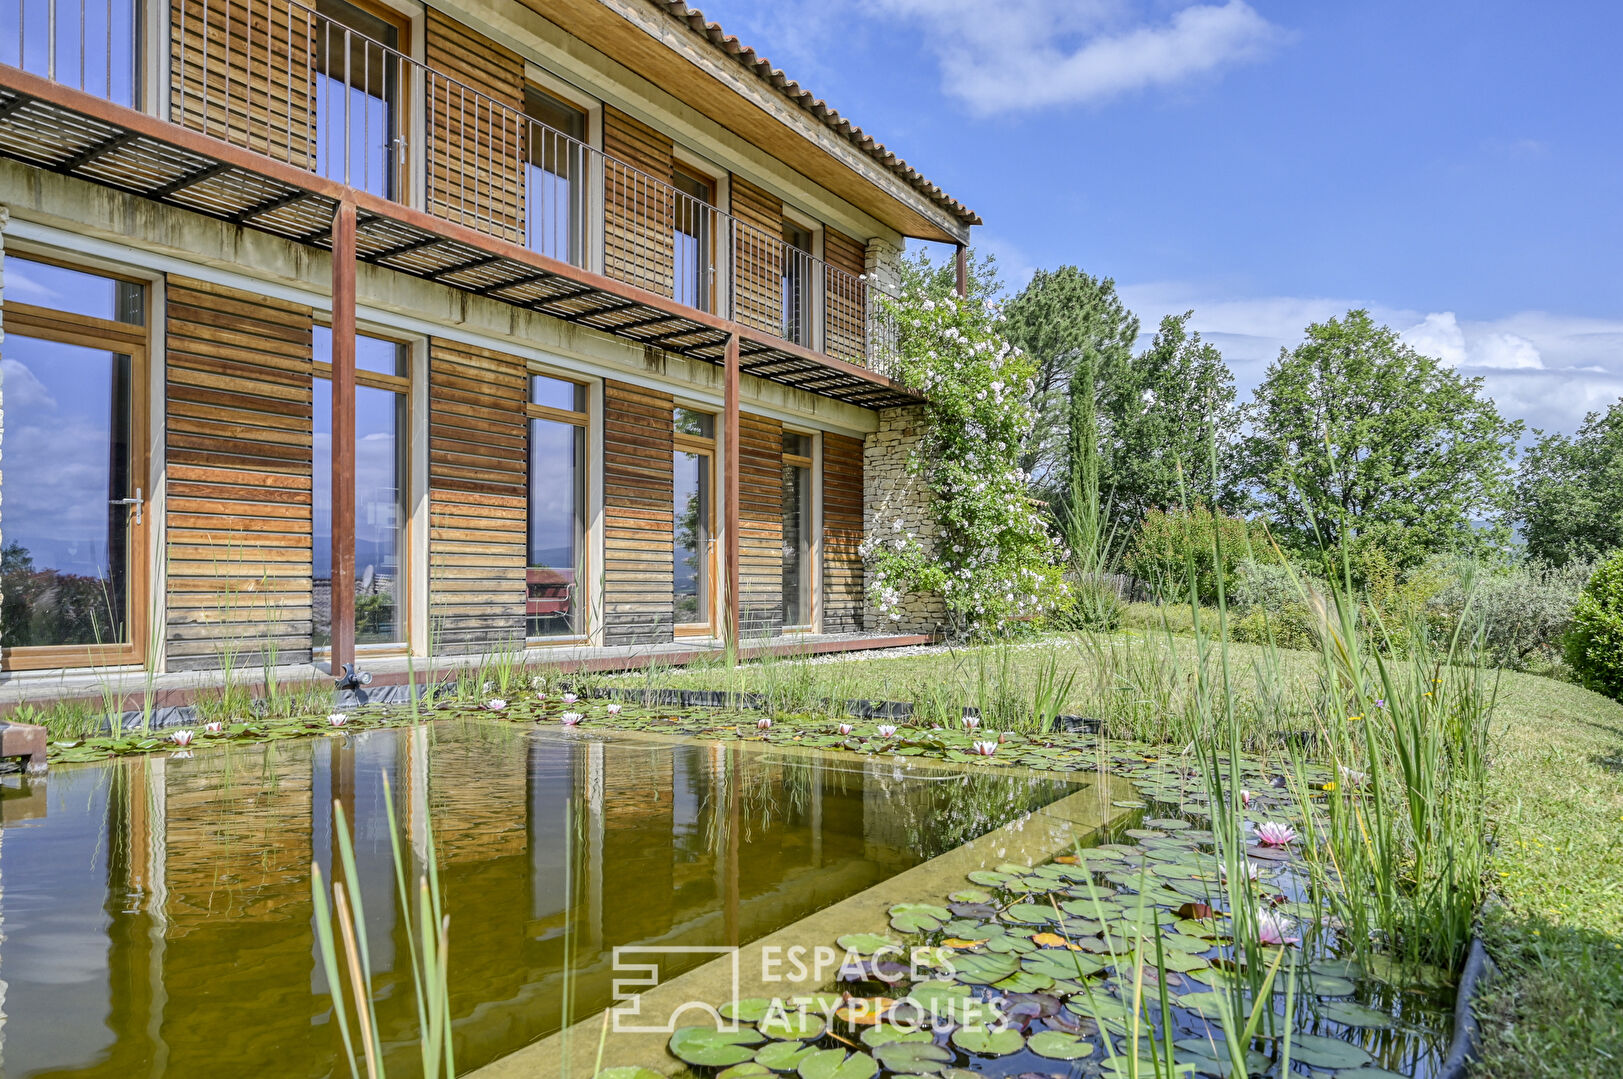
x=157 y=915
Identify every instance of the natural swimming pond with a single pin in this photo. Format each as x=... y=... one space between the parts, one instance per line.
x=158 y=919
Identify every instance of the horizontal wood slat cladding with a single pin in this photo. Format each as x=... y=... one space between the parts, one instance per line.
x=474 y=167
x=843 y=600
x=638 y=515
x=845 y=302
x=638 y=216
x=238 y=476
x=245 y=73
x=478 y=498
x=760 y=525
x=757 y=257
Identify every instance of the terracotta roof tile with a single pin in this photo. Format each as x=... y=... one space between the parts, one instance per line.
x=799 y=95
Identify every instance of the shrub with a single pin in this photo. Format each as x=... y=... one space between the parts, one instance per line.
x=1595 y=642
x=1170 y=541
x=1519 y=613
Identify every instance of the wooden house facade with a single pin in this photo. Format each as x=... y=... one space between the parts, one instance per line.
x=390 y=326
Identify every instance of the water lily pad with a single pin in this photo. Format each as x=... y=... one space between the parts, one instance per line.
x=988 y=1043
x=1352 y=1014
x=984 y=968
x=748 y=1010
x=707 y=1047
x=1061 y=964
x=747 y=1070
x=1058 y=1045
x=837 y=1064
x=886 y=1034
x=970 y=895
x=918 y=917
x=988 y=879
x=1029 y=913
x=1022 y=981
x=630 y=1073
x=866 y=943
x=914 y=1057
x=783 y=1056
x=799 y=1026
x=1318 y=1051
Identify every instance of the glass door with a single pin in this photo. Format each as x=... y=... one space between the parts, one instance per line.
x=693 y=544
x=73 y=547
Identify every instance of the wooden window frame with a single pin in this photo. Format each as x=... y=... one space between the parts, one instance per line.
x=807 y=462
x=682 y=442
x=406 y=110
x=121 y=338
x=400 y=384
x=583 y=420
x=711 y=243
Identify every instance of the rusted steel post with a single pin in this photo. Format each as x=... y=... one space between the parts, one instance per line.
x=963 y=271
x=730 y=491
x=343 y=437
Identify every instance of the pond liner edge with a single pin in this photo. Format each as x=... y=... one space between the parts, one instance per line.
x=1479 y=970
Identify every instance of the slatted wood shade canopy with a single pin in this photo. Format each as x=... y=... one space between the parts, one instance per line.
x=63 y=130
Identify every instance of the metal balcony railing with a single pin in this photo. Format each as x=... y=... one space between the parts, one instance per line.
x=283 y=80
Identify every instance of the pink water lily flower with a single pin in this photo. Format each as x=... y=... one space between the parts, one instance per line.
x=570 y=698
x=181 y=738
x=214 y=727
x=886 y=730
x=613 y=709
x=569 y=719
x=985 y=749
x=844 y=728
x=496 y=704
x=1271 y=930
x=764 y=723
x=971 y=722
x=1274 y=834
x=1250 y=871
x=338 y=719
x=1245 y=798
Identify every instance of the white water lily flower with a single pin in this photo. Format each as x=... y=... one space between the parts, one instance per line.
x=886 y=730
x=614 y=709
x=181 y=738
x=495 y=704
x=986 y=749
x=338 y=719
x=570 y=719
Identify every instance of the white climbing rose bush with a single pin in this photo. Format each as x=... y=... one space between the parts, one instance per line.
x=994 y=558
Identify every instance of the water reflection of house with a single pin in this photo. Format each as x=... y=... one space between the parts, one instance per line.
x=551 y=851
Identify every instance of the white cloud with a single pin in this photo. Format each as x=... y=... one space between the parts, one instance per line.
x=1438 y=335
x=1022 y=55
x=1030 y=54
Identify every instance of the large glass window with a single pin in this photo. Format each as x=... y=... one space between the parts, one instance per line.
x=798 y=275
x=92 y=46
x=382 y=426
x=555 y=577
x=358 y=77
x=72 y=562
x=694 y=241
x=692 y=547
x=797 y=530
x=555 y=178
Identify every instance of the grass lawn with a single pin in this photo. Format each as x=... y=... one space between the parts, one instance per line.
x=1556 y=789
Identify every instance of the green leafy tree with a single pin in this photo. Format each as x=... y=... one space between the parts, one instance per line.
x=1060 y=316
x=1357 y=438
x=1595 y=642
x=1171 y=407
x=1569 y=498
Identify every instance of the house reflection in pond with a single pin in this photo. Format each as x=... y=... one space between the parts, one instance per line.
x=158 y=919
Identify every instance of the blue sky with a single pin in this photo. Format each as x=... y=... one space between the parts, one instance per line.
x=1456 y=167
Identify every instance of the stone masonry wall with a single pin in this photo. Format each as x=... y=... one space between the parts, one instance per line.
x=891 y=494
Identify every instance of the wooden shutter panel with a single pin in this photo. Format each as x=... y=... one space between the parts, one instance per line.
x=475 y=139
x=638 y=515
x=639 y=216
